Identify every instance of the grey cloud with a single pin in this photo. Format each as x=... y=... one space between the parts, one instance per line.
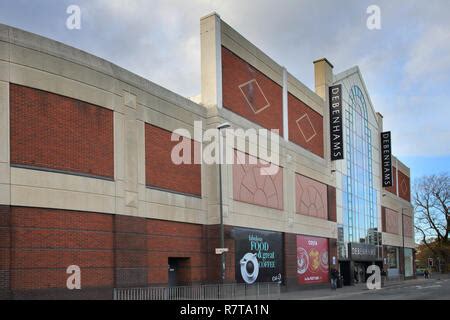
x=159 y=40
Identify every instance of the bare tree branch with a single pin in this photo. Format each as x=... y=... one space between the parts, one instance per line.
x=432 y=218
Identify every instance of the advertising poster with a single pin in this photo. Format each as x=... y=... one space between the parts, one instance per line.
x=312 y=260
x=259 y=255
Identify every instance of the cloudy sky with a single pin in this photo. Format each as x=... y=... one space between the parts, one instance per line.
x=406 y=64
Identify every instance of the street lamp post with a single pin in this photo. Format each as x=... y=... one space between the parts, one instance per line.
x=403 y=239
x=222 y=232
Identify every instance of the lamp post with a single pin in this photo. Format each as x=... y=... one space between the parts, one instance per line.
x=222 y=233
x=403 y=239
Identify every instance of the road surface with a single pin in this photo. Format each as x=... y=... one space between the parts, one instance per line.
x=431 y=289
x=418 y=289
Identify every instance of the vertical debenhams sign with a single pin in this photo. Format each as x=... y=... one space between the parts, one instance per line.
x=386 y=158
x=336 y=130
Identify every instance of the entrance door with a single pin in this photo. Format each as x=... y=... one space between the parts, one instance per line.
x=179 y=271
x=359 y=273
x=173 y=269
x=346 y=272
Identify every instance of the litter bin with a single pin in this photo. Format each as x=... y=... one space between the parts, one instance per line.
x=340 y=282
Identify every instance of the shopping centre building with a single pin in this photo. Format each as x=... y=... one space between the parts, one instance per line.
x=87 y=178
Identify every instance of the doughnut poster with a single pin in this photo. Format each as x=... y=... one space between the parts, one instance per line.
x=312 y=260
x=258 y=255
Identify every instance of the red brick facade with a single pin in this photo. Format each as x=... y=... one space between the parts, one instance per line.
x=131 y=251
x=251 y=94
x=37 y=245
x=393 y=188
x=45 y=242
x=403 y=185
x=404 y=188
x=175 y=240
x=305 y=126
x=290 y=260
x=383 y=219
x=5 y=251
x=331 y=193
x=161 y=172
x=55 y=132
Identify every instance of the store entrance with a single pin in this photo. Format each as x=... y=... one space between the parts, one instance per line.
x=360 y=274
x=346 y=272
x=355 y=272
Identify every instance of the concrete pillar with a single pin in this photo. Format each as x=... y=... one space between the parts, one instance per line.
x=211 y=61
x=323 y=75
x=285 y=106
x=131 y=165
x=380 y=122
x=5 y=171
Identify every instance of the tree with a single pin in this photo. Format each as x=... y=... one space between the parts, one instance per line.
x=432 y=219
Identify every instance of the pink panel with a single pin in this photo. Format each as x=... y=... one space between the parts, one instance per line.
x=311 y=197
x=392 y=223
x=408 y=226
x=250 y=186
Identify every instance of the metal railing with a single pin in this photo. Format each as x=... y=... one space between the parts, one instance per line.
x=232 y=291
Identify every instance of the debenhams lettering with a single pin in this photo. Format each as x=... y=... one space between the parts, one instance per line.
x=386 y=158
x=336 y=136
x=363 y=251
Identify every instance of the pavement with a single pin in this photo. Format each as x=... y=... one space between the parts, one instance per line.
x=437 y=288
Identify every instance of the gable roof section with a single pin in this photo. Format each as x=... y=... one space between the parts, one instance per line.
x=356 y=72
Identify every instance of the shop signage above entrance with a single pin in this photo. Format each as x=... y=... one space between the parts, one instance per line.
x=362 y=252
x=336 y=130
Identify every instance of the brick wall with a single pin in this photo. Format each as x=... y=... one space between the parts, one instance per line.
x=290 y=260
x=383 y=219
x=331 y=194
x=160 y=170
x=393 y=188
x=408 y=226
x=111 y=251
x=305 y=126
x=131 y=251
x=251 y=94
x=5 y=250
x=45 y=242
x=55 y=132
x=175 y=240
x=404 y=188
